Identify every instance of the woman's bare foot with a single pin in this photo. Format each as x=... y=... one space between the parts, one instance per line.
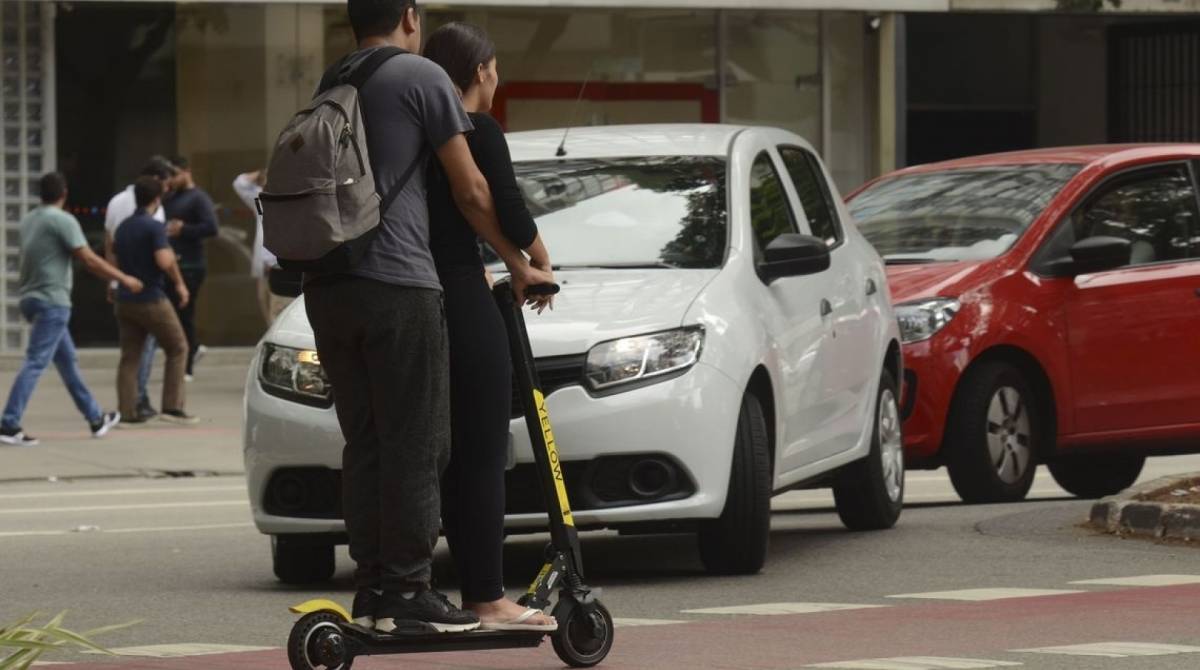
x=505 y=610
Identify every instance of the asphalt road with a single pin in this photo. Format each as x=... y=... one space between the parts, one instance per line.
x=182 y=555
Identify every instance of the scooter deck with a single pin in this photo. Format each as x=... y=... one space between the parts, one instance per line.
x=368 y=642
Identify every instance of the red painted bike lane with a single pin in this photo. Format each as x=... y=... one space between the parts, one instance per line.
x=1150 y=614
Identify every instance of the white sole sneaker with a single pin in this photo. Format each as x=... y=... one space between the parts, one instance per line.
x=416 y=627
x=18 y=440
x=106 y=425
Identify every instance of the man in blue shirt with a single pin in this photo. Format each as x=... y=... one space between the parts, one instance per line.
x=143 y=251
x=50 y=239
x=191 y=219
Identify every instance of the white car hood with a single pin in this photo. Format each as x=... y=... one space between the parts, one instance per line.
x=594 y=306
x=599 y=305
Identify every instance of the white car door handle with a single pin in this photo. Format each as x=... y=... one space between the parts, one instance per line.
x=871 y=287
x=826 y=308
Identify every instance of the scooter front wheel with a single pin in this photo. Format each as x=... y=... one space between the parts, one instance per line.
x=585 y=632
x=318 y=643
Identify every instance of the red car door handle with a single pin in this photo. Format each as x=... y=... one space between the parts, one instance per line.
x=1198 y=293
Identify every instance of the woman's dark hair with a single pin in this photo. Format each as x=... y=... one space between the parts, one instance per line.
x=460 y=48
x=146 y=189
x=53 y=186
x=376 y=18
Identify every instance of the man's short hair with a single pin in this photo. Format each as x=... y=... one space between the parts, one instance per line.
x=180 y=163
x=377 y=18
x=159 y=167
x=53 y=186
x=147 y=189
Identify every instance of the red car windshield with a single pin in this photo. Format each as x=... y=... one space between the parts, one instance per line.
x=956 y=215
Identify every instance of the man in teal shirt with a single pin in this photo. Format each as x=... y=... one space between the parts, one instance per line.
x=50 y=239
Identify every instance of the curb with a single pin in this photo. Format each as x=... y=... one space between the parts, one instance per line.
x=1124 y=514
x=106 y=358
x=128 y=474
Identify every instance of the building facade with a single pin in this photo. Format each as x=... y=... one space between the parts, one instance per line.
x=93 y=88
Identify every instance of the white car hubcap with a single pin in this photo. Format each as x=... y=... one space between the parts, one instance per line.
x=1009 y=434
x=891 y=445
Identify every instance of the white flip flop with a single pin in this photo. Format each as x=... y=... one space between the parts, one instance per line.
x=519 y=623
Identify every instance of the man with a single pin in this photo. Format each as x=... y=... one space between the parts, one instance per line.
x=248 y=186
x=143 y=251
x=191 y=219
x=50 y=238
x=121 y=207
x=380 y=332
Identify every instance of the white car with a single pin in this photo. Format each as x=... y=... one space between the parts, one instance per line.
x=723 y=334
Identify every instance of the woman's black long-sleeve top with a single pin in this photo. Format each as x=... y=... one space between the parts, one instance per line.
x=452 y=240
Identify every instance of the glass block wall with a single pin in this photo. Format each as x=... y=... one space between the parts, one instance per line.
x=26 y=43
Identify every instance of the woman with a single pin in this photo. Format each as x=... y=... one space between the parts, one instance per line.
x=480 y=368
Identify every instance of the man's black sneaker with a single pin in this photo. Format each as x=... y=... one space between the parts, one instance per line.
x=363 y=611
x=17 y=437
x=424 y=611
x=145 y=410
x=101 y=427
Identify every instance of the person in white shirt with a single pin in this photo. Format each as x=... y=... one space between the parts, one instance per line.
x=248 y=186
x=121 y=207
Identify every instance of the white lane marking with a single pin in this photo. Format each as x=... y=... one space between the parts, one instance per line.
x=1144 y=580
x=183 y=650
x=122 y=492
x=1116 y=649
x=624 y=622
x=918 y=663
x=975 y=595
x=767 y=609
x=114 y=508
x=149 y=529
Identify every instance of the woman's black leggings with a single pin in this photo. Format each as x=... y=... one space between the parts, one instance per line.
x=480 y=408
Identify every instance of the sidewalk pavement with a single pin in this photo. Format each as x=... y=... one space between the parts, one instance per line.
x=67 y=450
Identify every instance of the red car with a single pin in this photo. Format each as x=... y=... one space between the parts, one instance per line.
x=1049 y=301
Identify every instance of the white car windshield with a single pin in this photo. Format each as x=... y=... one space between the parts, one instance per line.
x=956 y=215
x=634 y=212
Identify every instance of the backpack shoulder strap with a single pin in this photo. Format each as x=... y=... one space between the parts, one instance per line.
x=363 y=71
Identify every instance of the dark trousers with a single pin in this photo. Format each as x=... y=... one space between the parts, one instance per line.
x=193 y=278
x=480 y=406
x=384 y=349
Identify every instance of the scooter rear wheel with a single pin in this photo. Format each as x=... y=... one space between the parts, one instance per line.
x=585 y=632
x=318 y=643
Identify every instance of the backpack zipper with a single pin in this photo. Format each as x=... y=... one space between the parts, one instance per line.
x=348 y=136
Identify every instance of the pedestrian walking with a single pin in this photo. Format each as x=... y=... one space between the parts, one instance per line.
x=50 y=238
x=121 y=207
x=248 y=186
x=386 y=313
x=143 y=251
x=191 y=219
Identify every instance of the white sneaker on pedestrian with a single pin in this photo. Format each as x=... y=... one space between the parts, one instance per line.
x=17 y=438
x=101 y=427
x=200 y=351
x=189 y=378
x=178 y=416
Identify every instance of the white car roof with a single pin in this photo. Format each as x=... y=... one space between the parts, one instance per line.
x=616 y=141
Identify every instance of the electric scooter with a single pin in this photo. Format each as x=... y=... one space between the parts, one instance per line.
x=326 y=638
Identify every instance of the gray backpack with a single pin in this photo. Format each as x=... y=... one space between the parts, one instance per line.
x=320 y=206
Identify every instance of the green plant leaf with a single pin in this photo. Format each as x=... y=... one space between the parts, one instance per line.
x=70 y=636
x=108 y=629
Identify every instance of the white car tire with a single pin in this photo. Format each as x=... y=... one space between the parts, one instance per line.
x=869 y=493
x=301 y=559
x=736 y=542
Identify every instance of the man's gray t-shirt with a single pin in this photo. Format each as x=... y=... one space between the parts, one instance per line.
x=410 y=109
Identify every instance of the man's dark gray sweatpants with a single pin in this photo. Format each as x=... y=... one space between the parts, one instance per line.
x=384 y=349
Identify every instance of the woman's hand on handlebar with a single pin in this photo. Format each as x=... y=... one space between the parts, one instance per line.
x=541 y=302
x=525 y=275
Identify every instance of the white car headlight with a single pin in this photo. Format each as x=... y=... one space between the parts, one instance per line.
x=921 y=320
x=295 y=374
x=643 y=358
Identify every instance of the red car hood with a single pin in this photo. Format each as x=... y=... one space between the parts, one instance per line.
x=928 y=280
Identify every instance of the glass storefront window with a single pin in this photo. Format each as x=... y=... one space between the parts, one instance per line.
x=773 y=71
x=638 y=64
